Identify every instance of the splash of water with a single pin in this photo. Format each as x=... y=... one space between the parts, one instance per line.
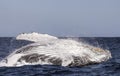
x=47 y=49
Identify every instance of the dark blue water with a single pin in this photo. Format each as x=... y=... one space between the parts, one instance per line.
x=109 y=68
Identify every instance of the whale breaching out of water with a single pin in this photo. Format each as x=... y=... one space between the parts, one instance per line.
x=46 y=49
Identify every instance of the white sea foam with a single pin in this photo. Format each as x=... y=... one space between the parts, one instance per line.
x=48 y=49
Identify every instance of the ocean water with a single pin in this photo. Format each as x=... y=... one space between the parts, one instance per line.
x=108 y=68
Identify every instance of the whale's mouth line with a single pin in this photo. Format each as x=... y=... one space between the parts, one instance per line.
x=47 y=49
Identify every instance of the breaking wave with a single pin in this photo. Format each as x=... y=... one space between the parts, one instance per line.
x=46 y=49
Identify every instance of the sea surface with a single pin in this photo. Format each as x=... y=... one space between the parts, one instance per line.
x=109 y=68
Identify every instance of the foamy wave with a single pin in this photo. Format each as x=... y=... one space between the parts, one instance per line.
x=51 y=50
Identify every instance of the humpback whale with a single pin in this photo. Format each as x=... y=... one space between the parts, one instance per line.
x=46 y=49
